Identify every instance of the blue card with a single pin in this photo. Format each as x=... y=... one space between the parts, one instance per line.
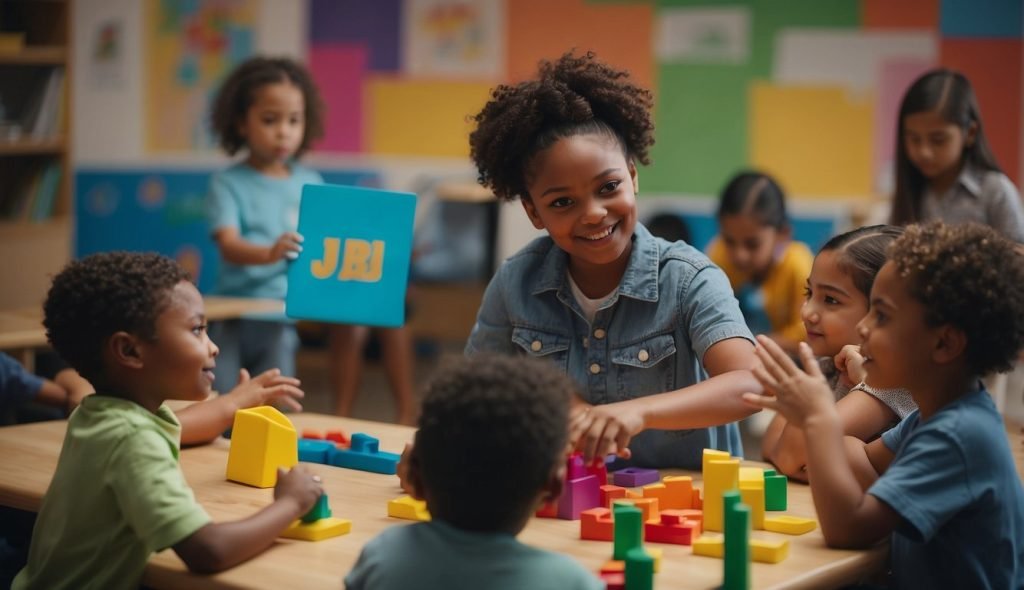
x=354 y=264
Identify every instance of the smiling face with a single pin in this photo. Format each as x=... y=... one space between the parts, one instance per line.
x=179 y=361
x=833 y=306
x=274 y=125
x=582 y=190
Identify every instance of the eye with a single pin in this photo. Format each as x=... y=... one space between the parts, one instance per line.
x=807 y=293
x=829 y=300
x=610 y=186
x=198 y=330
x=560 y=203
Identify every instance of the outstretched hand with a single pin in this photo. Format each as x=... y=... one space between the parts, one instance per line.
x=602 y=430
x=269 y=387
x=797 y=394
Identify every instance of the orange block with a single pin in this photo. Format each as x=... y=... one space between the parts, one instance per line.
x=696 y=501
x=648 y=507
x=597 y=524
x=674 y=492
x=312 y=434
x=610 y=493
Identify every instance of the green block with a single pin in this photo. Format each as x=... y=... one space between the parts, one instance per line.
x=320 y=510
x=737 y=544
x=628 y=530
x=774 y=492
x=639 y=570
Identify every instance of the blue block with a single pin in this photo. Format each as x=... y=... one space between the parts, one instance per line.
x=364 y=455
x=315 y=451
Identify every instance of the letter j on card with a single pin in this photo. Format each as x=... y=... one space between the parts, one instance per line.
x=354 y=264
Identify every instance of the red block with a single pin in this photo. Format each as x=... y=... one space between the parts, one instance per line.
x=599 y=469
x=673 y=528
x=338 y=437
x=614 y=580
x=596 y=524
x=312 y=434
x=549 y=510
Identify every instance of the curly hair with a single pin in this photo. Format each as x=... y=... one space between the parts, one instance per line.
x=99 y=295
x=970 y=277
x=571 y=96
x=237 y=94
x=490 y=433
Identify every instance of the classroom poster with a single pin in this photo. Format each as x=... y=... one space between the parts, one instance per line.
x=454 y=38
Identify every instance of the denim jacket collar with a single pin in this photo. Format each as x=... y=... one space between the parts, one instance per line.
x=640 y=280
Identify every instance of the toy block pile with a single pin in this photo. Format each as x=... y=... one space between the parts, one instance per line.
x=362 y=452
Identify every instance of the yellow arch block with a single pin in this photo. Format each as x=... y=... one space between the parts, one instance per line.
x=262 y=439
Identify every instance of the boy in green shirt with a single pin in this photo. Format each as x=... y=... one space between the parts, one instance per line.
x=133 y=325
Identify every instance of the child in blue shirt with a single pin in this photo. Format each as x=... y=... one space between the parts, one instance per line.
x=133 y=326
x=649 y=330
x=946 y=308
x=271 y=109
x=17 y=386
x=489 y=450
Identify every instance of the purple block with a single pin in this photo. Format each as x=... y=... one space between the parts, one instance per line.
x=580 y=494
x=632 y=477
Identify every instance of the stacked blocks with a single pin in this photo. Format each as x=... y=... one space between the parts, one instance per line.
x=408 y=508
x=263 y=439
x=581 y=491
x=317 y=524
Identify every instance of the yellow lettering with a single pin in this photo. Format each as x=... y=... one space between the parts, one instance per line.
x=322 y=269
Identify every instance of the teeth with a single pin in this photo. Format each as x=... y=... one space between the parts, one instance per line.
x=602 y=234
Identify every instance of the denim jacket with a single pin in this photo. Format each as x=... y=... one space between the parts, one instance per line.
x=671 y=306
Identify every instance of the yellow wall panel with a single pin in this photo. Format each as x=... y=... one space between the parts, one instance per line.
x=816 y=141
x=426 y=118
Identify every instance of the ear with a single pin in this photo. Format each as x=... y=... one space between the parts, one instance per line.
x=972 y=134
x=124 y=350
x=636 y=178
x=950 y=345
x=531 y=212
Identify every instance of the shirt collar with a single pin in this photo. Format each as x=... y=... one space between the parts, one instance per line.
x=970 y=179
x=640 y=280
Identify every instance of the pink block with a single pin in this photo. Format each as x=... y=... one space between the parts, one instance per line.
x=579 y=494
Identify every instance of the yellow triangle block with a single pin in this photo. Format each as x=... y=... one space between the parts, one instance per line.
x=789 y=525
x=408 y=508
x=325 y=528
x=262 y=439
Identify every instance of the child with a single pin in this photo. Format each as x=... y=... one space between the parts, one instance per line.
x=944 y=167
x=766 y=267
x=837 y=298
x=271 y=109
x=946 y=308
x=626 y=315
x=65 y=391
x=493 y=423
x=133 y=326
x=347 y=346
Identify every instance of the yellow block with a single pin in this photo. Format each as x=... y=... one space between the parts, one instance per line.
x=422 y=117
x=751 y=476
x=790 y=525
x=816 y=140
x=719 y=477
x=712 y=455
x=325 y=528
x=262 y=439
x=753 y=496
x=655 y=552
x=408 y=508
x=761 y=551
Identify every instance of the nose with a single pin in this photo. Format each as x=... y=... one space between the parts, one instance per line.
x=214 y=349
x=808 y=313
x=595 y=213
x=862 y=328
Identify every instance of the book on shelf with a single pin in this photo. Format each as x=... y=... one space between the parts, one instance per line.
x=30 y=193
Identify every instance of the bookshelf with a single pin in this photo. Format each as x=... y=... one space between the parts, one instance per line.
x=35 y=171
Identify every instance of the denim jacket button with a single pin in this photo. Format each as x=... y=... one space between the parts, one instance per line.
x=595 y=368
x=536 y=346
x=643 y=356
x=599 y=333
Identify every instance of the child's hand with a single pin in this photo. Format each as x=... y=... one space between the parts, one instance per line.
x=299 y=485
x=269 y=387
x=850 y=364
x=602 y=430
x=799 y=395
x=288 y=245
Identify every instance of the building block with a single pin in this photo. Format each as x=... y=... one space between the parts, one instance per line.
x=695 y=516
x=753 y=495
x=312 y=435
x=648 y=507
x=610 y=493
x=338 y=437
x=262 y=440
x=630 y=494
x=547 y=510
x=628 y=529
x=364 y=454
x=737 y=542
x=599 y=469
x=614 y=580
x=774 y=491
x=639 y=570
x=655 y=553
x=319 y=510
x=314 y=451
x=613 y=566
x=671 y=528
x=790 y=525
x=580 y=492
x=712 y=455
x=632 y=477
x=324 y=528
x=408 y=508
x=696 y=503
x=719 y=477
x=761 y=551
x=751 y=476
x=674 y=492
x=597 y=524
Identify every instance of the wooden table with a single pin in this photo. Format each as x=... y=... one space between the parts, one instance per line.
x=28 y=457
x=22 y=332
